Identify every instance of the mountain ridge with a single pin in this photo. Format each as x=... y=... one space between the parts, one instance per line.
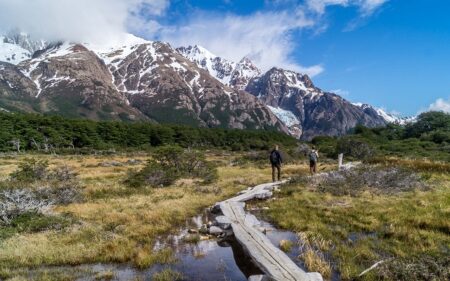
x=292 y=110
x=139 y=79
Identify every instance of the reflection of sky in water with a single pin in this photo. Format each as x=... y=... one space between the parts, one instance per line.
x=207 y=260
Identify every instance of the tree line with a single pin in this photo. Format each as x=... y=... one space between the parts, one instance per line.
x=24 y=132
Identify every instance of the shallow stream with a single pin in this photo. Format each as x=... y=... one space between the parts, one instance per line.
x=207 y=260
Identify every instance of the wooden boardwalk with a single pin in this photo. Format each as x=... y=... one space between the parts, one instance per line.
x=270 y=259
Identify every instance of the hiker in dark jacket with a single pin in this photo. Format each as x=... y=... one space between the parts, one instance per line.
x=276 y=160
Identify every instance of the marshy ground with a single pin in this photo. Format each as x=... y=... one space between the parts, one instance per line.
x=346 y=231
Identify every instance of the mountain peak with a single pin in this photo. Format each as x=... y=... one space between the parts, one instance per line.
x=236 y=75
x=196 y=53
x=24 y=40
x=388 y=117
x=138 y=78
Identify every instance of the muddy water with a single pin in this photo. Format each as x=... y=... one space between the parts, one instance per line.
x=207 y=260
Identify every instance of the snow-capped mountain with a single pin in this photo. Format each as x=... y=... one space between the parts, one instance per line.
x=317 y=112
x=18 y=46
x=388 y=117
x=12 y=53
x=291 y=96
x=236 y=75
x=25 y=41
x=134 y=80
x=145 y=80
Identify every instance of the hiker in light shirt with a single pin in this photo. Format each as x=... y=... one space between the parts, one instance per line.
x=313 y=158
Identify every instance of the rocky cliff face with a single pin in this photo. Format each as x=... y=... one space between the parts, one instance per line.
x=316 y=112
x=167 y=87
x=305 y=109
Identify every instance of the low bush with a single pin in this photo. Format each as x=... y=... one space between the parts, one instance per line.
x=326 y=145
x=355 y=180
x=34 y=189
x=34 y=222
x=15 y=202
x=170 y=163
x=416 y=268
x=420 y=165
x=354 y=148
x=31 y=170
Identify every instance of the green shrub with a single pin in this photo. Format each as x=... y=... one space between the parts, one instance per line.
x=354 y=148
x=32 y=222
x=153 y=174
x=428 y=122
x=170 y=163
x=326 y=145
x=35 y=222
x=31 y=170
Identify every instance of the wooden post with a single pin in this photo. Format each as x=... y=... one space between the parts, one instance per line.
x=340 y=160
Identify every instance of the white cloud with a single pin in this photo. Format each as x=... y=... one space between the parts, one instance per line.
x=319 y=6
x=78 y=20
x=366 y=7
x=265 y=38
x=369 y=6
x=440 y=105
x=341 y=92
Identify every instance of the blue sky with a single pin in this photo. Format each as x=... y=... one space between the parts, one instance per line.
x=395 y=56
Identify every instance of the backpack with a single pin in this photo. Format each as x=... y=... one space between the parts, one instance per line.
x=274 y=157
x=313 y=156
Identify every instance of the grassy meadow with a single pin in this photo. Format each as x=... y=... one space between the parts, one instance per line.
x=408 y=231
x=344 y=233
x=114 y=223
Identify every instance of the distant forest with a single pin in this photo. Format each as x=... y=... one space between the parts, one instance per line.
x=25 y=132
x=427 y=137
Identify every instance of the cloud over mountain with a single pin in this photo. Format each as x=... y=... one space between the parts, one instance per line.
x=78 y=20
x=440 y=105
x=264 y=37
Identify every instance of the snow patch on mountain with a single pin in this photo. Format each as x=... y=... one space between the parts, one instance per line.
x=113 y=54
x=218 y=67
x=286 y=116
x=16 y=47
x=12 y=53
x=293 y=81
x=25 y=41
x=229 y=73
x=388 y=117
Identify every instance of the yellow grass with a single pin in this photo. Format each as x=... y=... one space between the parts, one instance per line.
x=404 y=225
x=111 y=226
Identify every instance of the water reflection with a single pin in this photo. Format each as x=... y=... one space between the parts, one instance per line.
x=206 y=260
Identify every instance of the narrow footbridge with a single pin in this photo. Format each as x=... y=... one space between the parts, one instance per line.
x=275 y=264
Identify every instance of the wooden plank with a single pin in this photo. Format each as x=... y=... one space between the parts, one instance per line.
x=269 y=258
